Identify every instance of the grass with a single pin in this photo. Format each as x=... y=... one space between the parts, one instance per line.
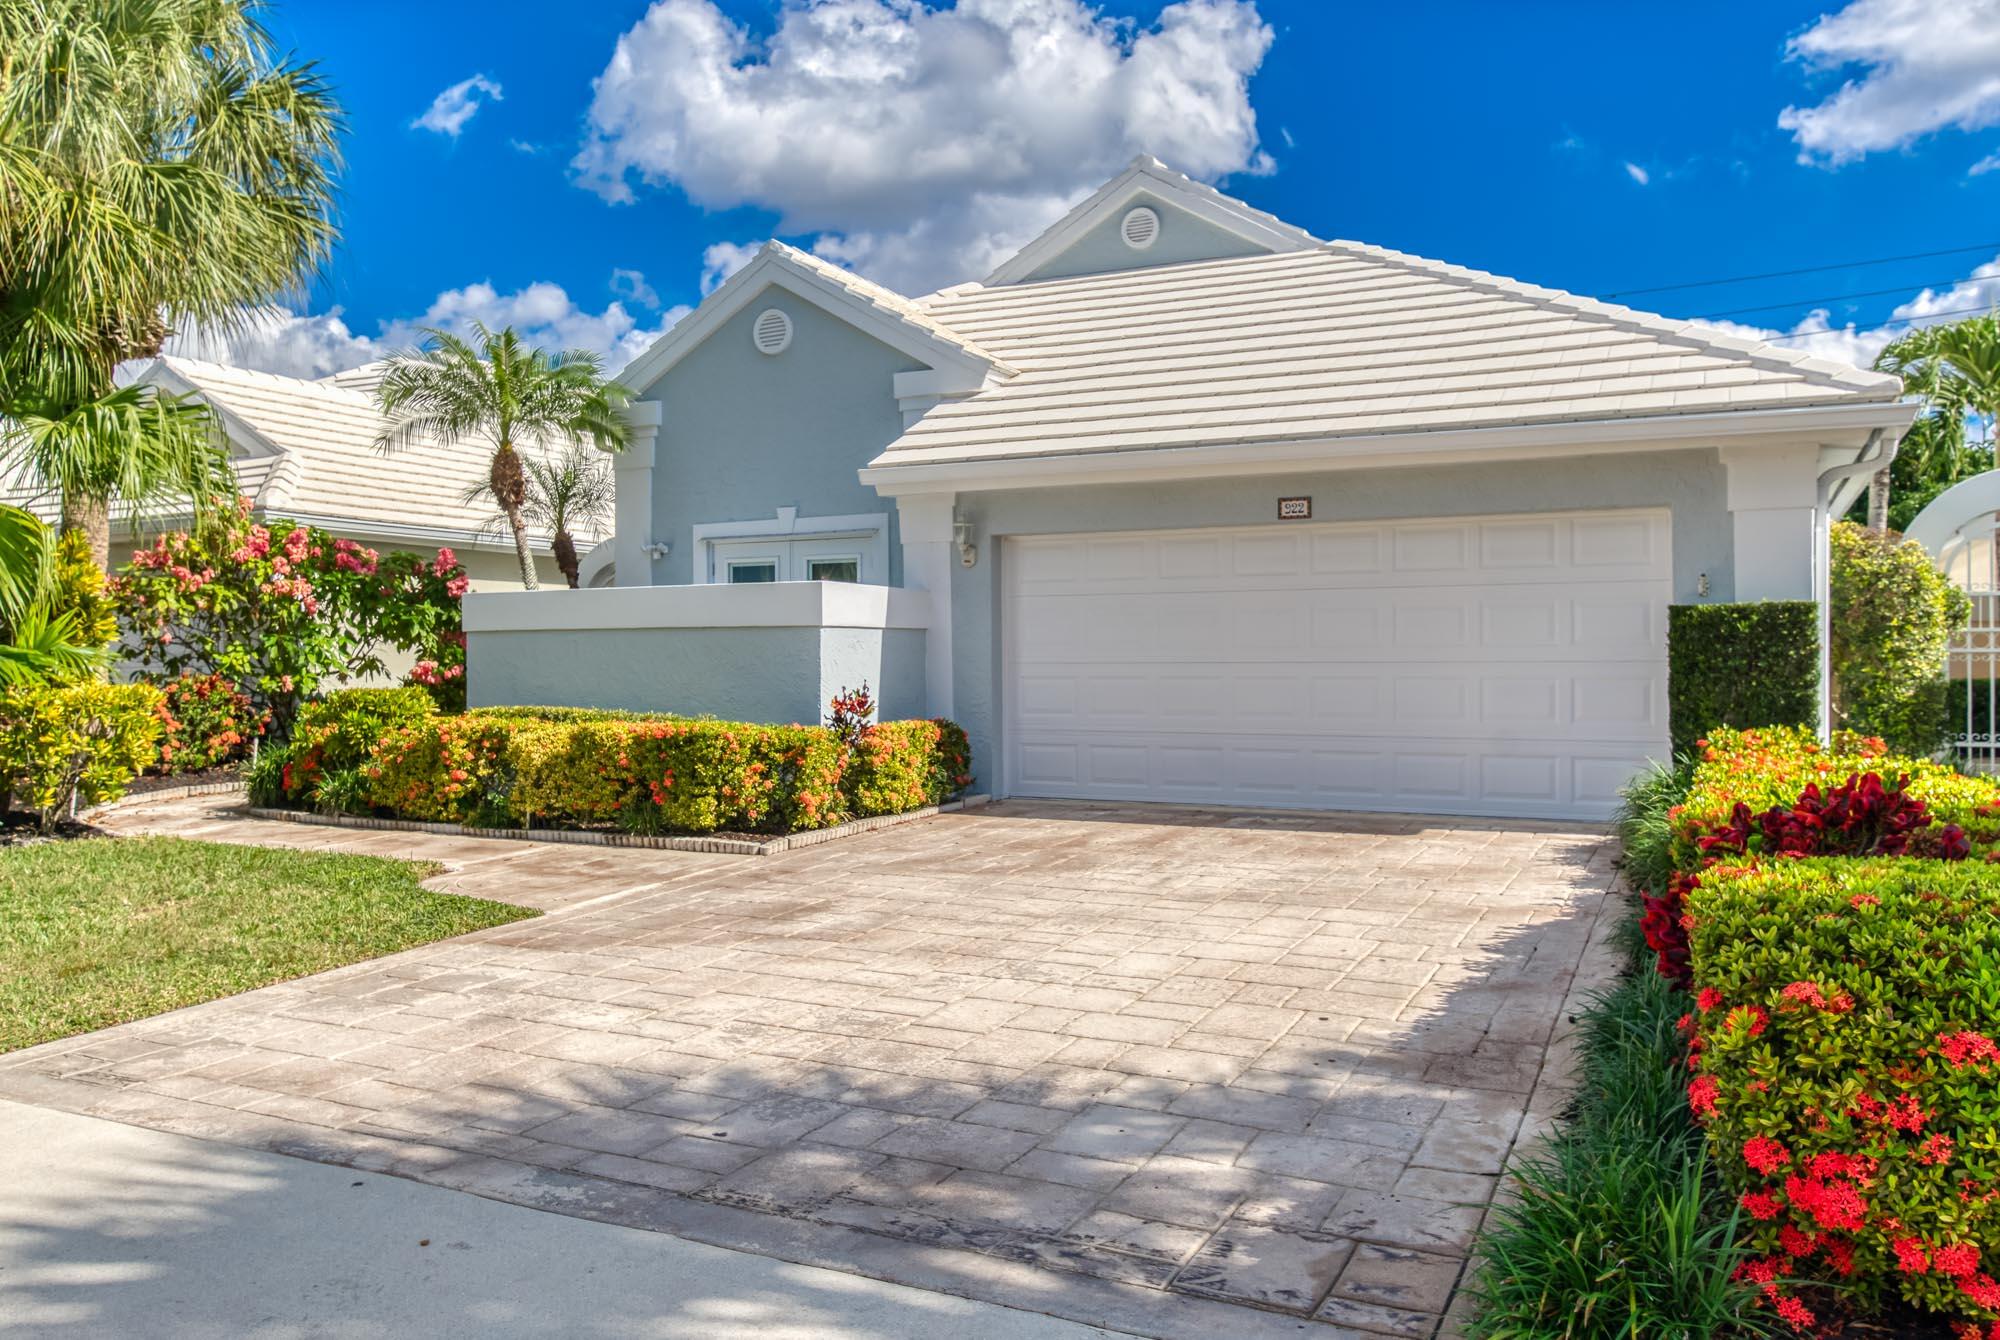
x=96 y=932
x=1619 y=1229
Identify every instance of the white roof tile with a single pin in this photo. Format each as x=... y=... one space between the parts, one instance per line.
x=1339 y=339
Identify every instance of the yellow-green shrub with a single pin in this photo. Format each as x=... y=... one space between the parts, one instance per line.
x=1848 y=1075
x=904 y=765
x=340 y=731
x=66 y=745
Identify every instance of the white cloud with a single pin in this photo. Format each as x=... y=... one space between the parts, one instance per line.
x=723 y=259
x=1925 y=66
x=1990 y=163
x=451 y=109
x=1638 y=174
x=274 y=340
x=1818 y=336
x=921 y=143
x=632 y=284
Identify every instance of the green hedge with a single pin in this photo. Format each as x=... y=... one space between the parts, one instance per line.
x=578 y=768
x=1849 y=1079
x=74 y=745
x=1893 y=616
x=1754 y=664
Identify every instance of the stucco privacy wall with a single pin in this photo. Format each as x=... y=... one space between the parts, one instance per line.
x=739 y=674
x=771 y=652
x=744 y=433
x=1183 y=237
x=1692 y=484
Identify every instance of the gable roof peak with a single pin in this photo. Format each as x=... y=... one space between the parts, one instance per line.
x=1147 y=175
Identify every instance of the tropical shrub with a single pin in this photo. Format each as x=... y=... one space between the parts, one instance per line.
x=281 y=610
x=1893 y=614
x=580 y=768
x=78 y=587
x=905 y=765
x=1848 y=1075
x=205 y=722
x=66 y=746
x=339 y=733
x=1751 y=664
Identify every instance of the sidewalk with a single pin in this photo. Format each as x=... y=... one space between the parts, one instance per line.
x=108 y=1229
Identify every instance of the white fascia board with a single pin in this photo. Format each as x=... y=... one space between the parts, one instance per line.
x=772 y=268
x=1148 y=175
x=1841 y=424
x=235 y=429
x=416 y=537
x=750 y=605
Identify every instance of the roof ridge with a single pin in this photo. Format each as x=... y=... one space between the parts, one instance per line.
x=1823 y=371
x=194 y=369
x=895 y=304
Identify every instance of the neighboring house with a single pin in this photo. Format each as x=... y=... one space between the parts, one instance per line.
x=1183 y=503
x=305 y=450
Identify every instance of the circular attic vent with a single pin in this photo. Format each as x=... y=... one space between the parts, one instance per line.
x=1141 y=228
x=772 y=331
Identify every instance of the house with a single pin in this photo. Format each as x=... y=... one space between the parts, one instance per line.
x=305 y=450
x=1183 y=503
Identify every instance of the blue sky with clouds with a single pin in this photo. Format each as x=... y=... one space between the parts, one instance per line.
x=582 y=171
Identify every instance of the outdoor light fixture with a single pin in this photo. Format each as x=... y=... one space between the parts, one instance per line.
x=656 y=549
x=968 y=553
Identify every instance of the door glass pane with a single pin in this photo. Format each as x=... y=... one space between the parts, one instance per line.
x=754 y=570
x=833 y=570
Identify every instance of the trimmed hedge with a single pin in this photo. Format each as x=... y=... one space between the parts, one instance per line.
x=577 y=768
x=1893 y=616
x=335 y=736
x=1848 y=1076
x=1751 y=664
x=71 y=745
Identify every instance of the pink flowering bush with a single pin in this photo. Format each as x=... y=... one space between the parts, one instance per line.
x=281 y=611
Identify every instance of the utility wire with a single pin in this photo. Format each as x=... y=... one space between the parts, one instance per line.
x=1806 y=270
x=1835 y=297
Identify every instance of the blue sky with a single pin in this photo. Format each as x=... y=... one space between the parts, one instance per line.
x=579 y=170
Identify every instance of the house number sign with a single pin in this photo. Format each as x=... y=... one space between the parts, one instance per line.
x=1295 y=509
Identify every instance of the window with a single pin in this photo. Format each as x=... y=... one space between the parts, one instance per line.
x=753 y=570
x=833 y=570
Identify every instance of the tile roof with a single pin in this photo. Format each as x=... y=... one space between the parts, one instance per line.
x=309 y=451
x=1335 y=340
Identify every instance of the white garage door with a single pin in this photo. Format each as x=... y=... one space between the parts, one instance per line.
x=1510 y=665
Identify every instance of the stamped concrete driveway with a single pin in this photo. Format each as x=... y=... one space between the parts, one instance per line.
x=1176 y=1072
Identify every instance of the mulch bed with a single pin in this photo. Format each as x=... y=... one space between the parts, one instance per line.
x=22 y=830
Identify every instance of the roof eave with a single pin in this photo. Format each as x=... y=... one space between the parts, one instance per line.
x=1832 y=424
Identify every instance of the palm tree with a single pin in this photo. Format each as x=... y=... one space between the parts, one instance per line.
x=158 y=165
x=35 y=645
x=1956 y=370
x=565 y=491
x=500 y=389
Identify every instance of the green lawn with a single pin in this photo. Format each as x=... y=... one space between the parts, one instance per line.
x=99 y=931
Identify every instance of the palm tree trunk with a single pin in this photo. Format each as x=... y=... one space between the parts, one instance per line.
x=565 y=550
x=519 y=525
x=92 y=516
x=1878 y=501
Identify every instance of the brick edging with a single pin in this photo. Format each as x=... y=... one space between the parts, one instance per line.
x=162 y=793
x=578 y=837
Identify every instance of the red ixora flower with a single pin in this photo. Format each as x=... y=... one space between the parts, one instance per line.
x=1708 y=999
x=1959 y=1260
x=1701 y=1095
x=1763 y=1205
x=1796 y=1314
x=1965 y=1048
x=1765 y=1154
x=1937 y=1150
x=1984 y=1291
x=1805 y=993
x=1911 y=1258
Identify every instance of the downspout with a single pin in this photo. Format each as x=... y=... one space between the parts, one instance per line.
x=1876 y=455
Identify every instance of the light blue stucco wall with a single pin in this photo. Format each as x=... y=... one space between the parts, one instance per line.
x=739 y=674
x=743 y=434
x=1690 y=483
x=1183 y=237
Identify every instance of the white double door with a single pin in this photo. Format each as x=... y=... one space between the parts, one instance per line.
x=784 y=560
x=1505 y=665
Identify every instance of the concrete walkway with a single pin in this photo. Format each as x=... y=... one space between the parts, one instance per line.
x=111 y=1230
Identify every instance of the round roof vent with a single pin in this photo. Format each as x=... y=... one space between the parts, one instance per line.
x=771 y=332
x=1140 y=228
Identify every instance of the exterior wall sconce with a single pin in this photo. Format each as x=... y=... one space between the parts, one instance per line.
x=961 y=532
x=656 y=549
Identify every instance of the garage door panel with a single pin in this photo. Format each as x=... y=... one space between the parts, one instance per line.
x=1505 y=665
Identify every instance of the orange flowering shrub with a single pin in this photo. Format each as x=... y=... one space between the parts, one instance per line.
x=1847 y=1073
x=905 y=765
x=566 y=768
